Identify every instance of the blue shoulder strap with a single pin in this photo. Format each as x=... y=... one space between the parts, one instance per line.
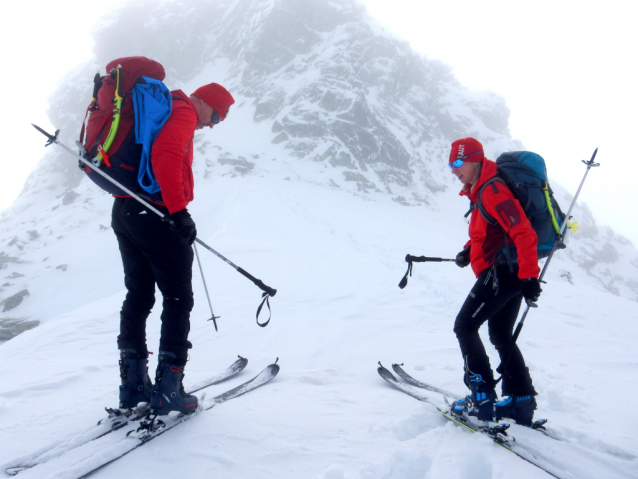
x=153 y=104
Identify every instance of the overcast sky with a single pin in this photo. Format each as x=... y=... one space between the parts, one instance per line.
x=567 y=69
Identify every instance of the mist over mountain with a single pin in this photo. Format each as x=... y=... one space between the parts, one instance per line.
x=325 y=96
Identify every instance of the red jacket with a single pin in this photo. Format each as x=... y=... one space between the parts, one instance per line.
x=486 y=240
x=172 y=154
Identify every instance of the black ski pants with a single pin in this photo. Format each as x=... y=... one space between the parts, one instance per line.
x=153 y=253
x=496 y=298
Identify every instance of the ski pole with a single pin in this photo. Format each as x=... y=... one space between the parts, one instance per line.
x=213 y=318
x=558 y=244
x=417 y=259
x=268 y=291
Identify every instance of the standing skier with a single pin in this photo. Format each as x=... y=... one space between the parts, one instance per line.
x=497 y=294
x=154 y=252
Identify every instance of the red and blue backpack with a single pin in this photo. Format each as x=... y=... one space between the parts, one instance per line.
x=130 y=105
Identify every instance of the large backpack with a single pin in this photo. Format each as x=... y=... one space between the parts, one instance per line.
x=130 y=105
x=525 y=174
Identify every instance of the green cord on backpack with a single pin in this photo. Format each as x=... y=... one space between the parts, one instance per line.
x=117 y=111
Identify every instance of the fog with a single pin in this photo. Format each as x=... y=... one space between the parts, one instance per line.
x=566 y=69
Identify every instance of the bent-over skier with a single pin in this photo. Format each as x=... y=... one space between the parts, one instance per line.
x=154 y=252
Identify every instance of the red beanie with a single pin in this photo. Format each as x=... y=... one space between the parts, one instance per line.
x=217 y=97
x=467 y=149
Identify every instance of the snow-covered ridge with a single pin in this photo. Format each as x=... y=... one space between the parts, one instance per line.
x=325 y=96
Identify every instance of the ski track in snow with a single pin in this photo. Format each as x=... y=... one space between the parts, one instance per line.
x=336 y=261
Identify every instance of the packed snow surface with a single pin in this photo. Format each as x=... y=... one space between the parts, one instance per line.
x=335 y=259
x=331 y=168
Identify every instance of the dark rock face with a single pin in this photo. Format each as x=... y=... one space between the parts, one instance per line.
x=11 y=327
x=13 y=301
x=334 y=85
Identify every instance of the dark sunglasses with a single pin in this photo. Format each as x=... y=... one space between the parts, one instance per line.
x=216 y=118
x=459 y=162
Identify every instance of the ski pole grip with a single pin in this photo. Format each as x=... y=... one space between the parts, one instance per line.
x=267 y=289
x=259 y=283
x=422 y=259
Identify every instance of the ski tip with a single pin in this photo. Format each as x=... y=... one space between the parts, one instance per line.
x=384 y=373
x=242 y=360
x=397 y=368
x=14 y=471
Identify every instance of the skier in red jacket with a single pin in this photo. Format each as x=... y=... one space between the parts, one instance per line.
x=498 y=292
x=154 y=252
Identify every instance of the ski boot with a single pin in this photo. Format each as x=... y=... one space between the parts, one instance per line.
x=480 y=402
x=169 y=394
x=136 y=385
x=519 y=408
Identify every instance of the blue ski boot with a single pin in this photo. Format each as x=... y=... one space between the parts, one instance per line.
x=519 y=408
x=136 y=385
x=480 y=402
x=169 y=394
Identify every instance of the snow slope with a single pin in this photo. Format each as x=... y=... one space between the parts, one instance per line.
x=329 y=170
x=336 y=261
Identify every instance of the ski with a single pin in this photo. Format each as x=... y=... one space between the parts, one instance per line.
x=117 y=419
x=496 y=433
x=409 y=379
x=146 y=431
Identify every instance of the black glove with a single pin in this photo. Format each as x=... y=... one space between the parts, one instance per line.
x=185 y=225
x=531 y=289
x=463 y=258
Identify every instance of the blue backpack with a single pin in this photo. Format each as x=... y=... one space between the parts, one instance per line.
x=525 y=174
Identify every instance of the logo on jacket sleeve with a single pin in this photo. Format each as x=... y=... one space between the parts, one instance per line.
x=508 y=213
